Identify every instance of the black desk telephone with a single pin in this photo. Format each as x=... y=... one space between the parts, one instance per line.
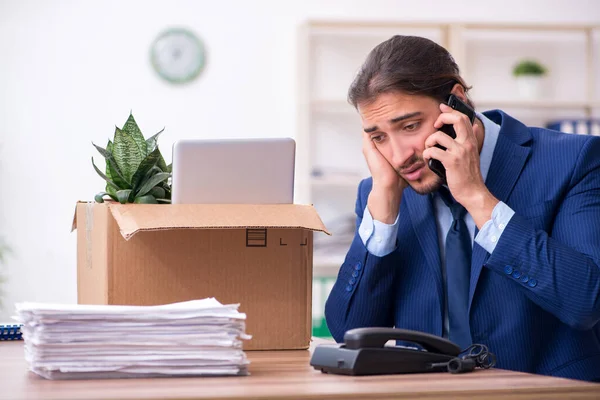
x=364 y=353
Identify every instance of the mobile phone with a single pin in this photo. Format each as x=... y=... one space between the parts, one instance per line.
x=457 y=104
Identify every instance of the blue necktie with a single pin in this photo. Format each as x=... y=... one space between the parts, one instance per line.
x=458 y=272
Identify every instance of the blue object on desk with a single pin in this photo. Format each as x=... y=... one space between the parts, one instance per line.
x=11 y=332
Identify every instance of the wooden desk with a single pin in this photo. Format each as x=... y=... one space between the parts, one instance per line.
x=285 y=375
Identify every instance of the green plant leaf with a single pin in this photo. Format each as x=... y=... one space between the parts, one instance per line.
x=170 y=167
x=152 y=140
x=167 y=188
x=109 y=147
x=108 y=187
x=155 y=170
x=115 y=174
x=131 y=128
x=145 y=166
x=529 y=67
x=123 y=195
x=100 y=197
x=112 y=192
x=109 y=182
x=151 y=182
x=147 y=199
x=162 y=164
x=158 y=192
x=127 y=154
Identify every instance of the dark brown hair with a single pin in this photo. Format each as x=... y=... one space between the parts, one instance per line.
x=409 y=64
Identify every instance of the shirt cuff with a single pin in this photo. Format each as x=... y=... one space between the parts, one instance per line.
x=379 y=238
x=490 y=232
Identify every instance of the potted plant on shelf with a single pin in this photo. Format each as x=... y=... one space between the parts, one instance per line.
x=135 y=170
x=529 y=75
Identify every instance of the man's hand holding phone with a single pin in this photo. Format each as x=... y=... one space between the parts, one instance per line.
x=461 y=161
x=388 y=185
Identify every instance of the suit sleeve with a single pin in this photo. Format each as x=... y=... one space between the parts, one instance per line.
x=362 y=294
x=560 y=270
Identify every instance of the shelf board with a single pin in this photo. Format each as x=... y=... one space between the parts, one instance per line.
x=538 y=104
x=327 y=266
x=333 y=106
x=349 y=25
x=529 y=26
x=360 y=33
x=361 y=27
x=527 y=37
x=337 y=182
x=341 y=106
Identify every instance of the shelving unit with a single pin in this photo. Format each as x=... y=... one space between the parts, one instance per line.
x=342 y=106
x=330 y=163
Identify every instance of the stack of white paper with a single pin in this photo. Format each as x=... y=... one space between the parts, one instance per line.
x=199 y=337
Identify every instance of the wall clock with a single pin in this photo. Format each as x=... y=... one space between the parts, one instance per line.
x=178 y=55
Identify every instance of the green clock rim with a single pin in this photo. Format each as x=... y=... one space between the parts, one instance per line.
x=189 y=34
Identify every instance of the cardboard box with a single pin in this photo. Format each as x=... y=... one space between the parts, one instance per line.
x=259 y=256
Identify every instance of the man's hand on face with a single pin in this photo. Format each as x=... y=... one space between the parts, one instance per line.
x=461 y=160
x=384 y=199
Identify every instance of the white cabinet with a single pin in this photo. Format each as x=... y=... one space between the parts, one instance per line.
x=571 y=54
x=330 y=163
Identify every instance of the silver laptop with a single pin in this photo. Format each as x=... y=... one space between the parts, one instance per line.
x=233 y=171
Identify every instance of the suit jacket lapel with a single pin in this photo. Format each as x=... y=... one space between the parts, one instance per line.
x=507 y=163
x=422 y=216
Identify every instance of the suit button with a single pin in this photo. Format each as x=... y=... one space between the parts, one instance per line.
x=352 y=281
x=354 y=274
x=508 y=270
x=524 y=279
x=348 y=288
x=532 y=283
x=516 y=274
x=358 y=266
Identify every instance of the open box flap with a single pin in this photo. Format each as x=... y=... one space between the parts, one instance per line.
x=134 y=218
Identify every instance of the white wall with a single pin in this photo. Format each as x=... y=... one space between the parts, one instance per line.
x=71 y=70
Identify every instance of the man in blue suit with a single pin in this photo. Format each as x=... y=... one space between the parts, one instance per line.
x=505 y=253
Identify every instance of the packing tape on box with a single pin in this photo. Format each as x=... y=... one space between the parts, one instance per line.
x=89 y=225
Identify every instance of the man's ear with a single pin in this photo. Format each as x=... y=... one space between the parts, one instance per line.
x=459 y=91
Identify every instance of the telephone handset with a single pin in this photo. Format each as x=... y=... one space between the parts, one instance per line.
x=377 y=337
x=364 y=352
x=457 y=104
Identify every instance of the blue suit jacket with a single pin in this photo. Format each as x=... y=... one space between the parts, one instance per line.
x=535 y=302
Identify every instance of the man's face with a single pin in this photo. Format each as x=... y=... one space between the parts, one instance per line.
x=399 y=124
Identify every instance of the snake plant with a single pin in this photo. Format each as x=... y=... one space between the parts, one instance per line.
x=135 y=170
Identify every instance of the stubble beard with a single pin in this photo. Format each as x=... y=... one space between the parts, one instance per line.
x=423 y=188
x=431 y=183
